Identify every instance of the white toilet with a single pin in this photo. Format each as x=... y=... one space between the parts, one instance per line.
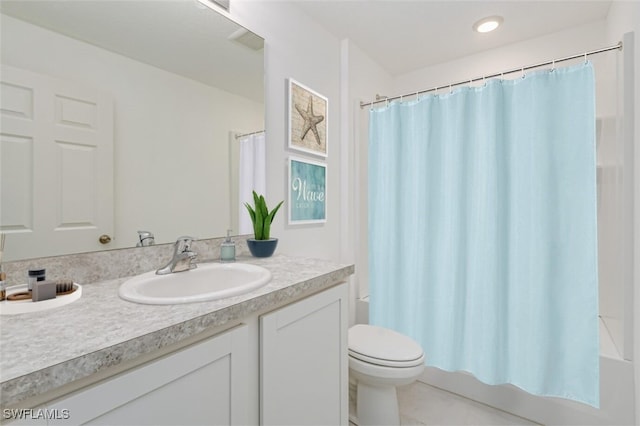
x=379 y=360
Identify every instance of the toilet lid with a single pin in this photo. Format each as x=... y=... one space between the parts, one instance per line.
x=382 y=346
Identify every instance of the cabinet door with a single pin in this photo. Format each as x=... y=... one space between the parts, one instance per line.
x=205 y=383
x=303 y=361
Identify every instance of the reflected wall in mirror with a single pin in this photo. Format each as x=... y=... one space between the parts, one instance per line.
x=119 y=117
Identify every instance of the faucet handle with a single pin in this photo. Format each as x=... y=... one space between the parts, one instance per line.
x=145 y=238
x=183 y=244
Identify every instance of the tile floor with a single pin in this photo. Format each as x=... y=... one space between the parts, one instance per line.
x=421 y=404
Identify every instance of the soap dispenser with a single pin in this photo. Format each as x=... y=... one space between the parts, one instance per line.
x=228 y=249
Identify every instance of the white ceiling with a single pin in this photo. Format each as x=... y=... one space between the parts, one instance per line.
x=400 y=35
x=404 y=36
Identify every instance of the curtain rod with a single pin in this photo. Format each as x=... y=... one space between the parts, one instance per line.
x=380 y=99
x=249 y=134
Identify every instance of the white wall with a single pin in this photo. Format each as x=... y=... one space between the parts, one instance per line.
x=624 y=16
x=364 y=79
x=171 y=133
x=296 y=47
x=556 y=45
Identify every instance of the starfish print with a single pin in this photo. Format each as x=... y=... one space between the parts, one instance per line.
x=310 y=120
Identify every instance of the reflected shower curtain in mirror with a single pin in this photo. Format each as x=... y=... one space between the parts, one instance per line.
x=482 y=230
x=252 y=176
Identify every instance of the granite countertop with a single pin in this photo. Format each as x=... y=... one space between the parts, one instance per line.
x=45 y=350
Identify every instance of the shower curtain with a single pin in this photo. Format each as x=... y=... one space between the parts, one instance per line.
x=252 y=176
x=482 y=230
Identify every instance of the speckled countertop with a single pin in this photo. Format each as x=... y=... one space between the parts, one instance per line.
x=45 y=350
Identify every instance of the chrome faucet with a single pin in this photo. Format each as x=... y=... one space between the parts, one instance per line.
x=183 y=258
x=145 y=239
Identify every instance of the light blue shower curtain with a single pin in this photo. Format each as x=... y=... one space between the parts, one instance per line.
x=482 y=230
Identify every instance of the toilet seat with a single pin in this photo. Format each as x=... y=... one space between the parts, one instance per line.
x=387 y=362
x=383 y=347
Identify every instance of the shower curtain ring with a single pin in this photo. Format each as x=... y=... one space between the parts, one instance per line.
x=585 y=57
x=417 y=95
x=553 y=65
x=522 y=72
x=450 y=91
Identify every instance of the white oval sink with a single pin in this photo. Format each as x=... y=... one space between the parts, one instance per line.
x=207 y=282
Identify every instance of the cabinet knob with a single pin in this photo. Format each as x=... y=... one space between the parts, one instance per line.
x=104 y=239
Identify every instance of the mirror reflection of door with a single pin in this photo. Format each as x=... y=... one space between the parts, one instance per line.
x=56 y=154
x=181 y=76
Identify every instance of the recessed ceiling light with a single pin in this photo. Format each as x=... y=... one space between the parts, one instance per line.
x=488 y=24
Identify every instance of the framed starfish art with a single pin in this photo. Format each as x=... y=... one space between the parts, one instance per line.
x=308 y=114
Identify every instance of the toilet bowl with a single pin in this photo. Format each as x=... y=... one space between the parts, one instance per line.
x=379 y=360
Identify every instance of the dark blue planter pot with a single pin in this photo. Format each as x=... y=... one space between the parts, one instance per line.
x=262 y=248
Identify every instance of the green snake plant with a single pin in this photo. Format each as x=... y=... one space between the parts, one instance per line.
x=261 y=216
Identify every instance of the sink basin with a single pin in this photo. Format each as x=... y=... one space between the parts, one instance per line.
x=207 y=282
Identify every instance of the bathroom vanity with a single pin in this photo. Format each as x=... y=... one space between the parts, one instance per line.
x=277 y=355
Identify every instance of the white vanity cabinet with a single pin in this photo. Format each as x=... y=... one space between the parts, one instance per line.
x=205 y=383
x=304 y=361
x=288 y=366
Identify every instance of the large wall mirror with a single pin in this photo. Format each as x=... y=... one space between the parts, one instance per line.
x=119 y=117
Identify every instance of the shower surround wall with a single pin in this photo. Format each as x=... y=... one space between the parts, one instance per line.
x=617 y=375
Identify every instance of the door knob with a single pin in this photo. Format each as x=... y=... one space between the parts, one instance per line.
x=104 y=239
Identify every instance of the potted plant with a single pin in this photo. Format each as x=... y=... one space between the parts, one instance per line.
x=262 y=245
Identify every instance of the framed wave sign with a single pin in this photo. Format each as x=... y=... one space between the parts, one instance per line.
x=308 y=111
x=307 y=191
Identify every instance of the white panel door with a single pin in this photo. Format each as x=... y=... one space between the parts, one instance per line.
x=56 y=165
x=303 y=361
